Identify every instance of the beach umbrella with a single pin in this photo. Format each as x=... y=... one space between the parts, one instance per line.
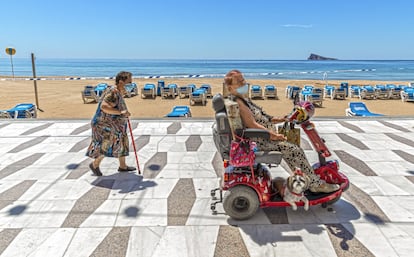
x=11 y=51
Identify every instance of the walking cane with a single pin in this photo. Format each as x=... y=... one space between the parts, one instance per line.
x=133 y=144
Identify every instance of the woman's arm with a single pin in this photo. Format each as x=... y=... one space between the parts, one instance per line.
x=249 y=121
x=107 y=107
x=279 y=119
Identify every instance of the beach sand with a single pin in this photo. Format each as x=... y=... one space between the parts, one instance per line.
x=61 y=99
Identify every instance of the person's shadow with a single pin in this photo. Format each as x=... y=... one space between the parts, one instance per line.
x=126 y=183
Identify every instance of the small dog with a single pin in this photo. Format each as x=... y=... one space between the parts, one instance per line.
x=292 y=190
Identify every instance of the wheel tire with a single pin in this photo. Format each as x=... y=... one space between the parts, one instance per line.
x=333 y=200
x=240 y=202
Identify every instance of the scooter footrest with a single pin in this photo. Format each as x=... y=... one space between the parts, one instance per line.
x=272 y=157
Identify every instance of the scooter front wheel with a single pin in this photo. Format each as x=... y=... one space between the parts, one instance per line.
x=240 y=202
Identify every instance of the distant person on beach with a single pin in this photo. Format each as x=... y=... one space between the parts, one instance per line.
x=109 y=126
x=253 y=116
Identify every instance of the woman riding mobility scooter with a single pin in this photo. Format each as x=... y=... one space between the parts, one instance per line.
x=247 y=186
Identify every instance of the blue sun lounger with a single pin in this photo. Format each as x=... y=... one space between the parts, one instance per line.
x=185 y=91
x=328 y=91
x=382 y=92
x=100 y=88
x=395 y=91
x=89 y=95
x=291 y=91
x=180 y=111
x=207 y=89
x=198 y=96
x=270 y=91
x=354 y=91
x=148 y=91
x=256 y=92
x=131 y=89
x=407 y=94
x=367 y=92
x=340 y=92
x=20 y=111
x=359 y=109
x=171 y=90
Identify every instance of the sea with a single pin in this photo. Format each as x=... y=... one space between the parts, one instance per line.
x=387 y=70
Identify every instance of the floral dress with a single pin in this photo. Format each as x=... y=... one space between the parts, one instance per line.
x=293 y=155
x=109 y=132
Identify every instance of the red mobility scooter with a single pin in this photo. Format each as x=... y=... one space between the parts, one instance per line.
x=245 y=189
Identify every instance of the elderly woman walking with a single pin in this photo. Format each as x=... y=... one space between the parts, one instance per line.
x=109 y=126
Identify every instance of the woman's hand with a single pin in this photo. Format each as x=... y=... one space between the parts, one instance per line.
x=279 y=119
x=277 y=137
x=125 y=113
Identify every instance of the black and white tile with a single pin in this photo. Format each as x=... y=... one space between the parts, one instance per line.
x=52 y=205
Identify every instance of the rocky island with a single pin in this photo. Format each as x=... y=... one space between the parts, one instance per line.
x=319 y=58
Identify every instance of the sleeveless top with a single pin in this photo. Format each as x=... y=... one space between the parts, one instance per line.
x=259 y=114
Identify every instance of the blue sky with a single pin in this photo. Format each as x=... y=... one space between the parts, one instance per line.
x=209 y=29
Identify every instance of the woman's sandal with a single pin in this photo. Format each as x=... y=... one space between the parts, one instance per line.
x=128 y=168
x=95 y=171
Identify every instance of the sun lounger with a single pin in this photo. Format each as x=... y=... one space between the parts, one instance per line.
x=367 y=92
x=198 y=96
x=256 y=92
x=328 y=91
x=304 y=93
x=291 y=91
x=359 y=109
x=100 y=88
x=270 y=91
x=148 y=91
x=180 y=111
x=308 y=87
x=340 y=92
x=382 y=92
x=4 y=115
x=407 y=94
x=185 y=91
x=131 y=90
x=207 y=87
x=312 y=94
x=20 y=111
x=354 y=91
x=394 y=91
x=171 y=90
x=344 y=86
x=160 y=86
x=89 y=95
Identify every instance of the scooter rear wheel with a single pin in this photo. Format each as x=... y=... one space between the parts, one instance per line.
x=240 y=202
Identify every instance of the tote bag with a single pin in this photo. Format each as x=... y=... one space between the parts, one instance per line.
x=292 y=134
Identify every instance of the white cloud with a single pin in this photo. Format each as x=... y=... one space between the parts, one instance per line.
x=303 y=26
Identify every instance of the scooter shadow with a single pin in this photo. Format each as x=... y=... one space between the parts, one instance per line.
x=315 y=221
